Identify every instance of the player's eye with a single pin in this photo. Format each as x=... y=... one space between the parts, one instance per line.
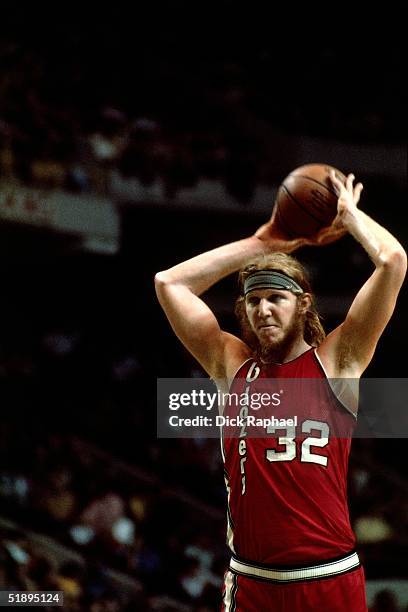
x=252 y=301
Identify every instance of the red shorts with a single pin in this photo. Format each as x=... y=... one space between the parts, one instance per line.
x=343 y=593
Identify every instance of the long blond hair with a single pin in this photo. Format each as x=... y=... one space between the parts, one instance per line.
x=313 y=331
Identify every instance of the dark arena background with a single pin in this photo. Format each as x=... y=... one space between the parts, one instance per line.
x=129 y=141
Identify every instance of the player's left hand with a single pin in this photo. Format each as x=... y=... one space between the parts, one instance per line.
x=348 y=198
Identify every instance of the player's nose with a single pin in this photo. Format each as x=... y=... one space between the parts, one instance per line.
x=264 y=307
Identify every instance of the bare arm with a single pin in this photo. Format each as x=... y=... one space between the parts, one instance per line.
x=348 y=350
x=191 y=319
x=178 y=290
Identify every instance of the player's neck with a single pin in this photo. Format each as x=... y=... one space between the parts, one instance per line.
x=300 y=348
x=284 y=354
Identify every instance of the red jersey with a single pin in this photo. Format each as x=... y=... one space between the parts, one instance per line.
x=287 y=489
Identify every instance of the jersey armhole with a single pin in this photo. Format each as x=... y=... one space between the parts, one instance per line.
x=238 y=370
x=229 y=385
x=235 y=374
x=341 y=389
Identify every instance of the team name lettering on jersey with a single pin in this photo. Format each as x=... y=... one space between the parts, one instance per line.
x=252 y=375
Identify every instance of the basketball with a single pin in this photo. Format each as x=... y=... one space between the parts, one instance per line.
x=306 y=200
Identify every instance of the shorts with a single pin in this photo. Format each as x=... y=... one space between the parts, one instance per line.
x=344 y=592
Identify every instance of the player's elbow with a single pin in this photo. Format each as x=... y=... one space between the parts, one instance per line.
x=163 y=283
x=161 y=279
x=396 y=261
x=399 y=259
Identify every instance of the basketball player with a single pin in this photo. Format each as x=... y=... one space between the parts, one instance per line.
x=288 y=525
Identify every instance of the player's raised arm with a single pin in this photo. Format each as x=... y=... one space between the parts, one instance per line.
x=178 y=290
x=350 y=348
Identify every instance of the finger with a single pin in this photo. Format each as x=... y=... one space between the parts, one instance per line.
x=326 y=232
x=300 y=242
x=274 y=213
x=335 y=179
x=332 y=236
x=297 y=243
x=357 y=192
x=336 y=182
x=349 y=182
x=324 y=238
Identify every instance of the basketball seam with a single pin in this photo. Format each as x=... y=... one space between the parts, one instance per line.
x=309 y=178
x=306 y=210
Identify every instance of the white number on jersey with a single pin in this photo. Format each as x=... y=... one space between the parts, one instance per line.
x=289 y=442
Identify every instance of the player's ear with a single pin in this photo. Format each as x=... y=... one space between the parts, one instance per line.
x=305 y=301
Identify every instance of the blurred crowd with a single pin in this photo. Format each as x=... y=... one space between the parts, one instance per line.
x=76 y=111
x=132 y=514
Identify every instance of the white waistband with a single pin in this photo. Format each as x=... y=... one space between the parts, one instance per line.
x=322 y=570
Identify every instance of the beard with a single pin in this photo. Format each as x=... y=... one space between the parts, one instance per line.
x=276 y=351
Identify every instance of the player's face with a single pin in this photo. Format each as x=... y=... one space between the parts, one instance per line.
x=273 y=315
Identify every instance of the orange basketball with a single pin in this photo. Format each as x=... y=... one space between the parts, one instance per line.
x=306 y=200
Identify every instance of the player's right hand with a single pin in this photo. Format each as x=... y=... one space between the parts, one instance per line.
x=276 y=239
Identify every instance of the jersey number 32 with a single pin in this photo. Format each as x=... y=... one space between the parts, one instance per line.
x=306 y=454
